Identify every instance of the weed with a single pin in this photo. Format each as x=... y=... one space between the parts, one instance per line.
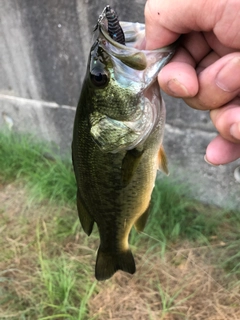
x=169 y=303
x=48 y=177
x=174 y=215
x=46 y=261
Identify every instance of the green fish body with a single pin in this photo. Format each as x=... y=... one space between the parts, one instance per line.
x=117 y=147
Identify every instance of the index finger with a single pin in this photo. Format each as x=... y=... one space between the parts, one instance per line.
x=157 y=35
x=166 y=20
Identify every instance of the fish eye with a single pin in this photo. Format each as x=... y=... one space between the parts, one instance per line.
x=99 y=79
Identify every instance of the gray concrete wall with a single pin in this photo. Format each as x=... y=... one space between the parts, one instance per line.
x=43 y=54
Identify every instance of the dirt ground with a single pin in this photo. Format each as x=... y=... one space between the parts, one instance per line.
x=181 y=283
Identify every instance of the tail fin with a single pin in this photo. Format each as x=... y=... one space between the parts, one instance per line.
x=108 y=263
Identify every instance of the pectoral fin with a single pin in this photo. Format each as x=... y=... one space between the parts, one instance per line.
x=85 y=219
x=142 y=220
x=129 y=165
x=162 y=161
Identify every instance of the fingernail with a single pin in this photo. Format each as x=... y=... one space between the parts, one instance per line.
x=177 y=88
x=208 y=162
x=235 y=130
x=228 y=78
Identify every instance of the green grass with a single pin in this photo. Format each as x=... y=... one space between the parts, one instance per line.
x=46 y=283
x=24 y=157
x=60 y=278
x=181 y=216
x=230 y=257
x=175 y=216
x=169 y=302
x=47 y=262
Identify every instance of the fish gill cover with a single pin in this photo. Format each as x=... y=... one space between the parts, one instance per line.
x=117 y=138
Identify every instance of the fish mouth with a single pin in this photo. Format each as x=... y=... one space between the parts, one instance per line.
x=139 y=67
x=148 y=61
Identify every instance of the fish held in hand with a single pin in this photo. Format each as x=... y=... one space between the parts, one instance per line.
x=117 y=139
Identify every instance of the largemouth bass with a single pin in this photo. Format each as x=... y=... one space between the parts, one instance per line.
x=117 y=139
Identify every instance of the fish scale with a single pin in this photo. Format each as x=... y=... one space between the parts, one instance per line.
x=117 y=144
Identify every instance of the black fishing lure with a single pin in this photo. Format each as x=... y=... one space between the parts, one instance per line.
x=114 y=28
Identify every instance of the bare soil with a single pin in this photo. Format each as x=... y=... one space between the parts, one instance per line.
x=183 y=283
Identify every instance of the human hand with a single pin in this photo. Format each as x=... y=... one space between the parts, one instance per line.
x=205 y=71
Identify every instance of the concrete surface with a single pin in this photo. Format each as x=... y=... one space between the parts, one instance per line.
x=43 y=54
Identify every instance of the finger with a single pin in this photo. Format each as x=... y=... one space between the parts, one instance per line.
x=221 y=151
x=179 y=77
x=208 y=60
x=196 y=45
x=227 y=120
x=218 y=84
x=163 y=28
x=157 y=35
x=166 y=20
x=216 y=45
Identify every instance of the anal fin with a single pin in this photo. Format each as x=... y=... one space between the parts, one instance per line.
x=142 y=220
x=85 y=218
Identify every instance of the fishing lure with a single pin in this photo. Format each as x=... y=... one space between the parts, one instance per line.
x=114 y=29
x=117 y=140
